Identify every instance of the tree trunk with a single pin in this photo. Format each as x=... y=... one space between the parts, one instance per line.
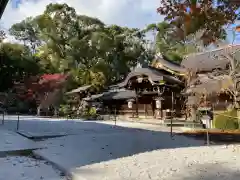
x=193 y=114
x=38 y=110
x=55 y=111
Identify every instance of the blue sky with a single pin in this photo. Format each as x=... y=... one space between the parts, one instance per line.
x=232 y=34
x=132 y=13
x=15 y=3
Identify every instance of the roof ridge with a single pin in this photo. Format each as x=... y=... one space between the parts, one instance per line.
x=214 y=50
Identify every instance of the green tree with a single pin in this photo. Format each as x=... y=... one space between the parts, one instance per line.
x=27 y=31
x=84 y=46
x=2 y=35
x=168 y=45
x=16 y=64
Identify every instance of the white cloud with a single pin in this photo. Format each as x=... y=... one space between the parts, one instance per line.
x=133 y=13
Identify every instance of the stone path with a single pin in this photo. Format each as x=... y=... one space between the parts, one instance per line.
x=11 y=142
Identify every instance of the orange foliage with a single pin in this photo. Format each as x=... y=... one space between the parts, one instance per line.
x=238 y=28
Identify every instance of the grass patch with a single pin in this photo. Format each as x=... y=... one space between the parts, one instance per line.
x=212 y=131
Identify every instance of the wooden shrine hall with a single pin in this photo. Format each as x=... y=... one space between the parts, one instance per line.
x=145 y=92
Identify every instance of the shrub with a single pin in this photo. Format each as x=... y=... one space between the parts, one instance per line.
x=226 y=120
x=65 y=110
x=90 y=113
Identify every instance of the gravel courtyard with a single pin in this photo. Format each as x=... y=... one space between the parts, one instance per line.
x=196 y=163
x=131 y=151
x=27 y=168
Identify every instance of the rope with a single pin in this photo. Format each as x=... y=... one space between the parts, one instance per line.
x=226 y=115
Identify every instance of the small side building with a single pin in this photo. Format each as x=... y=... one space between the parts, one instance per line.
x=210 y=82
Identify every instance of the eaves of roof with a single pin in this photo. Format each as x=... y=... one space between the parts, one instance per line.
x=3 y=4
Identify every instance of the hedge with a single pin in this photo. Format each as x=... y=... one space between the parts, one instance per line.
x=226 y=120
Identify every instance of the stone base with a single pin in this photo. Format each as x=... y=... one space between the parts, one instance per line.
x=45 y=135
x=11 y=142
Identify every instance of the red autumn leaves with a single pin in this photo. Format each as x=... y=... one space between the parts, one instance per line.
x=34 y=86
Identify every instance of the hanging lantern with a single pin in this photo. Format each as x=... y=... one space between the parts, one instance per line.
x=158 y=104
x=130 y=104
x=139 y=79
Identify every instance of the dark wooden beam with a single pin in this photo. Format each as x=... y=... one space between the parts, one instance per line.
x=3 y=4
x=235 y=2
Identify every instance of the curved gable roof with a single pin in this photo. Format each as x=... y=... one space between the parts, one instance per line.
x=169 y=66
x=153 y=75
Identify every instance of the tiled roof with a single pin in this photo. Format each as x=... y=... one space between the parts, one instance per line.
x=161 y=63
x=80 y=89
x=207 y=84
x=210 y=60
x=153 y=74
x=110 y=95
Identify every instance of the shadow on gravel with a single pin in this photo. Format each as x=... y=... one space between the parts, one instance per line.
x=215 y=138
x=211 y=172
x=92 y=142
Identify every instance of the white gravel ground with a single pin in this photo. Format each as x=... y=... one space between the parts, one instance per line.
x=26 y=168
x=178 y=159
x=196 y=163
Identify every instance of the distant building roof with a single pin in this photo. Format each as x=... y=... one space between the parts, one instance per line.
x=113 y=95
x=210 y=60
x=80 y=89
x=208 y=84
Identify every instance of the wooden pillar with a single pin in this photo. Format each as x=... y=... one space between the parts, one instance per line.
x=172 y=114
x=136 y=103
x=145 y=110
x=161 y=109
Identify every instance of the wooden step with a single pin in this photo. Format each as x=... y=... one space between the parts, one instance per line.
x=182 y=123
